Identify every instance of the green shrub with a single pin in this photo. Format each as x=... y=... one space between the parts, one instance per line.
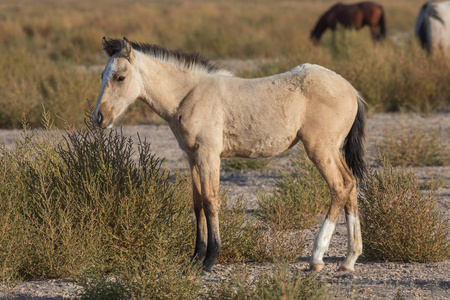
x=300 y=195
x=238 y=231
x=84 y=205
x=278 y=246
x=121 y=227
x=414 y=145
x=399 y=222
x=280 y=284
x=239 y=164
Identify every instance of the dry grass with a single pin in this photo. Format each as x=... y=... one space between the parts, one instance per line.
x=300 y=193
x=48 y=49
x=84 y=206
x=412 y=144
x=278 y=283
x=239 y=164
x=299 y=197
x=399 y=221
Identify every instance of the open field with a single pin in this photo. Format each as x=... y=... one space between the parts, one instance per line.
x=52 y=56
x=71 y=225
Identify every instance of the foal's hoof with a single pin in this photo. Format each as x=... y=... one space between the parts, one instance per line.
x=207 y=269
x=344 y=269
x=316 y=267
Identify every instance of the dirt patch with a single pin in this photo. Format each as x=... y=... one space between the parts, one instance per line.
x=371 y=280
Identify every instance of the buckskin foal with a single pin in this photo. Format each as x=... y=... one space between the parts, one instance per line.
x=214 y=114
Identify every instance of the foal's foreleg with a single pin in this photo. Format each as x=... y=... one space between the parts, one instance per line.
x=202 y=231
x=208 y=164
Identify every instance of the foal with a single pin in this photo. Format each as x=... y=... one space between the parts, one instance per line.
x=214 y=114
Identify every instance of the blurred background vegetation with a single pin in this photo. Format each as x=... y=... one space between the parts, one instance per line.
x=51 y=53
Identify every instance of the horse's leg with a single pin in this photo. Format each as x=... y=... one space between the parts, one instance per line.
x=208 y=164
x=374 y=34
x=341 y=183
x=202 y=231
x=354 y=232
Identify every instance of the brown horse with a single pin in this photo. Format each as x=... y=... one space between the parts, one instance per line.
x=353 y=15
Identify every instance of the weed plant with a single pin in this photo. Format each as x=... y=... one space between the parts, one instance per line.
x=121 y=227
x=238 y=231
x=79 y=203
x=414 y=145
x=398 y=221
x=300 y=195
x=280 y=283
x=240 y=164
x=278 y=246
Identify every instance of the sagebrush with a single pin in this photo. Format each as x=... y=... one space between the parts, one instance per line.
x=413 y=144
x=399 y=222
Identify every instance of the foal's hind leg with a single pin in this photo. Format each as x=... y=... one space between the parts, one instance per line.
x=341 y=183
x=353 y=228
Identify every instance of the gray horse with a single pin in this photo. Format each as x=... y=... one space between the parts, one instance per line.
x=433 y=26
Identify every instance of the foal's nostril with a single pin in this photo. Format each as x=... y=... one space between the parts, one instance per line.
x=99 y=118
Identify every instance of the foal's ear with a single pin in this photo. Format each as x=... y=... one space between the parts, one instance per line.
x=120 y=47
x=128 y=49
x=108 y=47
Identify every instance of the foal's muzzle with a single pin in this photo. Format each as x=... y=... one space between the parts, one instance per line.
x=99 y=120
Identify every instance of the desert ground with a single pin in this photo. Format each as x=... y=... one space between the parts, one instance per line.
x=371 y=279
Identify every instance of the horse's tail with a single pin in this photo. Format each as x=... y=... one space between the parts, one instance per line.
x=382 y=23
x=354 y=150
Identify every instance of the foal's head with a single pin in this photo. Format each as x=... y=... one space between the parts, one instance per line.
x=121 y=83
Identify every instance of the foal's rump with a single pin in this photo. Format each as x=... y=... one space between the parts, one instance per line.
x=331 y=104
x=334 y=116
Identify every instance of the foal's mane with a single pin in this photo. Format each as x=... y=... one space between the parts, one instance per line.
x=193 y=61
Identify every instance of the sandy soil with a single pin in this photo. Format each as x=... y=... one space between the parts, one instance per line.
x=371 y=280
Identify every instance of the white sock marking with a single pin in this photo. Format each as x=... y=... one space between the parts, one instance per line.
x=322 y=241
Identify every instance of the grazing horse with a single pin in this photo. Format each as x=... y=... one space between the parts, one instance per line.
x=214 y=114
x=433 y=26
x=353 y=15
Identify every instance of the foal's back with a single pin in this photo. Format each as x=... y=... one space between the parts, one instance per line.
x=266 y=116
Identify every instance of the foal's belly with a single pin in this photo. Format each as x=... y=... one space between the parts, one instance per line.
x=254 y=147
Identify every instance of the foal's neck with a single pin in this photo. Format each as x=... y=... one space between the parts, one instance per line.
x=165 y=85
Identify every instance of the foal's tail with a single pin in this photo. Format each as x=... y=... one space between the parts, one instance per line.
x=382 y=24
x=354 y=150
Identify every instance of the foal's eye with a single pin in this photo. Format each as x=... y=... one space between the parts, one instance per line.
x=121 y=78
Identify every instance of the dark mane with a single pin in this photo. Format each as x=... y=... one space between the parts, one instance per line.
x=192 y=61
